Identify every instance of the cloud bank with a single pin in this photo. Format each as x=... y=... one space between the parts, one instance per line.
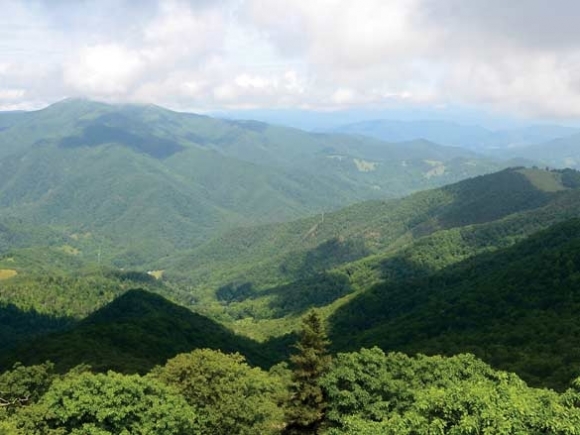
x=520 y=57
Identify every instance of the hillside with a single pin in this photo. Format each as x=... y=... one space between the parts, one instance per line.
x=258 y=280
x=138 y=183
x=297 y=249
x=515 y=308
x=133 y=333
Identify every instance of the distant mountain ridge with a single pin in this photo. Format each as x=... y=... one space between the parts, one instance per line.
x=561 y=152
x=449 y=133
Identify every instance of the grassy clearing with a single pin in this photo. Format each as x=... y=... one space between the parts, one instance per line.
x=7 y=274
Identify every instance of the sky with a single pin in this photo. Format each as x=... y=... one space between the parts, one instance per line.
x=516 y=58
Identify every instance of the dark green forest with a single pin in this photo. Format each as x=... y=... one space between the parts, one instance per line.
x=210 y=392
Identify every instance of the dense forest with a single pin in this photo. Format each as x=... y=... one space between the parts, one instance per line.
x=172 y=273
x=211 y=392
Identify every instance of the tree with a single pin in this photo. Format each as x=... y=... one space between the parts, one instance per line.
x=108 y=404
x=373 y=393
x=306 y=409
x=229 y=396
x=24 y=386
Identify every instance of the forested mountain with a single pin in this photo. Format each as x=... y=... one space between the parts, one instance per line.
x=278 y=270
x=132 y=334
x=98 y=200
x=141 y=181
x=260 y=279
x=516 y=308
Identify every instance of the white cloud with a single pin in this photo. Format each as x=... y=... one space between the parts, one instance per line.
x=180 y=35
x=11 y=94
x=344 y=96
x=521 y=56
x=103 y=70
x=4 y=68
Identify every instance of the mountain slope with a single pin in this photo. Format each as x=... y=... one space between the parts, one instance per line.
x=145 y=181
x=133 y=333
x=515 y=308
x=290 y=249
x=260 y=279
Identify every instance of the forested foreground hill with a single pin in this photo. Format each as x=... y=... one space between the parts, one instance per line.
x=137 y=183
x=209 y=392
x=516 y=308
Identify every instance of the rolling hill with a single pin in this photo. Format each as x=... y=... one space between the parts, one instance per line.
x=140 y=182
x=260 y=280
x=133 y=333
x=90 y=192
x=263 y=255
x=376 y=270
x=516 y=308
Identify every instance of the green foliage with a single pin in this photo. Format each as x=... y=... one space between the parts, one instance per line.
x=73 y=295
x=365 y=393
x=108 y=404
x=314 y=267
x=514 y=308
x=370 y=392
x=23 y=386
x=229 y=396
x=307 y=407
x=288 y=299
x=407 y=239
x=37 y=304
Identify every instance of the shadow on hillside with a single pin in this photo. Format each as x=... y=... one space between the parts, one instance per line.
x=99 y=134
x=327 y=255
x=399 y=268
x=479 y=201
x=299 y=296
x=294 y=298
x=132 y=334
x=18 y=326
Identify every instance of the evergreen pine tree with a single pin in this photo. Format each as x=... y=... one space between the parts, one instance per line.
x=306 y=410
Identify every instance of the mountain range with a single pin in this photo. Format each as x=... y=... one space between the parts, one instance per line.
x=137 y=183
x=473 y=137
x=232 y=230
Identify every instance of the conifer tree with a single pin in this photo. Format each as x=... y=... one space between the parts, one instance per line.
x=306 y=410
